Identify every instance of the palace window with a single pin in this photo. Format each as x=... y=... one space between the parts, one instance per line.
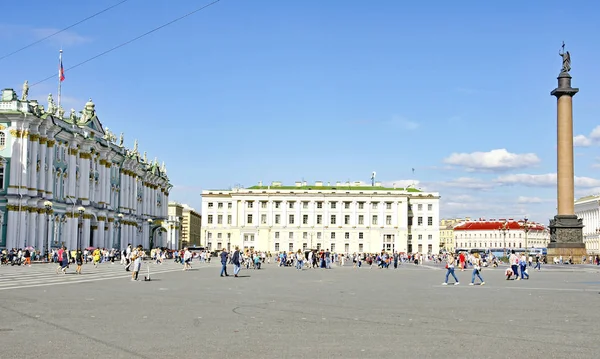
x=219 y=219
x=291 y=219
x=374 y=222
x=333 y=205
x=361 y=205
x=319 y=204
x=228 y=219
x=333 y=247
x=419 y=221
x=319 y=219
x=388 y=205
x=2 y=139
x=210 y=205
x=430 y=221
x=291 y=247
x=332 y=235
x=347 y=219
x=1 y=174
x=277 y=219
x=304 y=235
x=263 y=219
x=419 y=207
x=375 y=205
x=229 y=205
x=332 y=219
x=305 y=205
x=305 y=219
x=249 y=217
x=291 y=235
x=276 y=235
x=220 y=205
x=278 y=204
x=347 y=235
x=430 y=207
x=318 y=235
x=250 y=204
x=347 y=205
x=420 y=237
x=361 y=235
x=276 y=247
x=210 y=219
x=361 y=219
x=263 y=204
x=388 y=220
x=360 y=248
x=430 y=236
x=291 y=205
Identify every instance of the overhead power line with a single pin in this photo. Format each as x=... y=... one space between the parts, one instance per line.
x=63 y=30
x=129 y=41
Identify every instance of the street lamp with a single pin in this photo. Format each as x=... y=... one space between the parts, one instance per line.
x=503 y=229
x=120 y=224
x=526 y=228
x=48 y=206
x=150 y=230
x=81 y=211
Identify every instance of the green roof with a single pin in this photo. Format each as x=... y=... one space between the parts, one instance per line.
x=342 y=187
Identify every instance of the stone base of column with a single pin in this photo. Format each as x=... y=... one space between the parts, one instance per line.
x=566 y=239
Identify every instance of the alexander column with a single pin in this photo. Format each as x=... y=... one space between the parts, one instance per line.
x=566 y=230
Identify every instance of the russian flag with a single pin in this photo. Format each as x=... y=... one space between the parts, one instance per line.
x=61 y=72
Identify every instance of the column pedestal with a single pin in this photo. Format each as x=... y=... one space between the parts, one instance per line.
x=566 y=238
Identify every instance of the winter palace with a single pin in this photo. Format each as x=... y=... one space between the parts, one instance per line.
x=343 y=218
x=67 y=180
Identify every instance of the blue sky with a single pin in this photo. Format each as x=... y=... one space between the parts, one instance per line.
x=257 y=90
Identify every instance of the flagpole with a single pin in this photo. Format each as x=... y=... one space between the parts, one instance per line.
x=59 y=75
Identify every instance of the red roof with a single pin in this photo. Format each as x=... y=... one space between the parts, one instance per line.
x=496 y=225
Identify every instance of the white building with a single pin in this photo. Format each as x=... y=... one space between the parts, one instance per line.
x=499 y=235
x=344 y=218
x=588 y=209
x=66 y=180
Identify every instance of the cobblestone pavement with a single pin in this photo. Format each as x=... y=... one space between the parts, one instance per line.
x=279 y=312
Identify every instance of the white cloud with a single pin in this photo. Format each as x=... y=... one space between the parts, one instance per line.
x=586 y=141
x=581 y=141
x=526 y=200
x=494 y=160
x=543 y=180
x=403 y=123
x=401 y=183
x=467 y=182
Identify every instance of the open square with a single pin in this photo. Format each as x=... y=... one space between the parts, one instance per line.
x=280 y=312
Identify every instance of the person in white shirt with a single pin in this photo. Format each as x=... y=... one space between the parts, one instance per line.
x=187 y=259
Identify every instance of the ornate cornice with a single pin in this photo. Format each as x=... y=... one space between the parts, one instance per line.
x=43 y=140
x=51 y=143
x=34 y=137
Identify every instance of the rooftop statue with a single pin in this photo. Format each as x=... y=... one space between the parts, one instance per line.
x=25 y=91
x=145 y=158
x=51 y=107
x=61 y=112
x=135 y=146
x=121 y=139
x=73 y=116
x=566 y=59
x=88 y=111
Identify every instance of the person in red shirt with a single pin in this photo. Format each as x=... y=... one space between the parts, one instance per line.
x=461 y=259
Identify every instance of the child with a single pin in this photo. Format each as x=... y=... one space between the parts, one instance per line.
x=509 y=273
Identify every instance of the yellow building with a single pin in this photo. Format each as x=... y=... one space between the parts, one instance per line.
x=191 y=227
x=447 y=241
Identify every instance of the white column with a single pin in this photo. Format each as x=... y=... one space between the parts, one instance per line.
x=50 y=155
x=72 y=174
x=22 y=174
x=11 y=228
x=33 y=143
x=15 y=163
x=40 y=237
x=101 y=235
x=41 y=186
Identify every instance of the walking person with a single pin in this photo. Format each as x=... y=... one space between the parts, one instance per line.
x=78 y=261
x=96 y=256
x=136 y=258
x=538 y=263
x=235 y=260
x=224 y=256
x=450 y=270
x=523 y=266
x=476 y=262
x=63 y=260
x=514 y=264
